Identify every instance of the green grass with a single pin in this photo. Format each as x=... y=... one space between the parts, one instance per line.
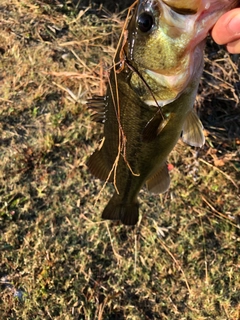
x=58 y=259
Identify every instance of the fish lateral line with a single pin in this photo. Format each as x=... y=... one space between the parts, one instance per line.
x=122 y=136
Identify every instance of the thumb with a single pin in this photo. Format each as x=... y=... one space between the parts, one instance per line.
x=227 y=28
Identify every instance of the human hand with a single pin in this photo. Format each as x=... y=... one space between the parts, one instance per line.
x=227 y=30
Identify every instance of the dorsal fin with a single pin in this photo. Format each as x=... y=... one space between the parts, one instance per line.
x=193 y=130
x=159 y=182
x=98 y=167
x=98 y=105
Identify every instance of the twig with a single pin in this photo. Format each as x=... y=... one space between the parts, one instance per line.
x=172 y=256
x=226 y=175
x=217 y=213
x=117 y=255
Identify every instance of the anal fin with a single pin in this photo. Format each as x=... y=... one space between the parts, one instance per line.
x=159 y=182
x=98 y=167
x=193 y=130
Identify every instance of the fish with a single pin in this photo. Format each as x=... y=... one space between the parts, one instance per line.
x=149 y=101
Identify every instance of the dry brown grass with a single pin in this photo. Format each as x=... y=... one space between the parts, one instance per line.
x=58 y=260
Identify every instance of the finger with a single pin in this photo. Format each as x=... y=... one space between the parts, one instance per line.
x=234 y=47
x=227 y=28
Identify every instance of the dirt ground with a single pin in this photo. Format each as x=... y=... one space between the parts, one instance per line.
x=58 y=259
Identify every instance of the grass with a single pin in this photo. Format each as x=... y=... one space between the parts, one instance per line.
x=58 y=259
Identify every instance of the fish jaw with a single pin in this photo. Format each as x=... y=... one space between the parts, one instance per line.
x=170 y=54
x=208 y=13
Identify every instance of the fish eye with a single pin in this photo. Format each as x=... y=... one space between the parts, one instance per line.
x=145 y=21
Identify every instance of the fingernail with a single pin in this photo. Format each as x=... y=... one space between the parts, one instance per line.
x=234 y=25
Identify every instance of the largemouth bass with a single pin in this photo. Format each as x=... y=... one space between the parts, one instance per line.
x=150 y=97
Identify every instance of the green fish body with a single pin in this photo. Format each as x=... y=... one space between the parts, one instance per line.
x=149 y=102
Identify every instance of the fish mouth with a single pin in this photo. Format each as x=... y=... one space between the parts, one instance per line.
x=183 y=8
x=192 y=7
x=214 y=9
x=209 y=13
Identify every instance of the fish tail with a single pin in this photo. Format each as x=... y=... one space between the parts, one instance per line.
x=126 y=212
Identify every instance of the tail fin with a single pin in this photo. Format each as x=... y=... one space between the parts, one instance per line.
x=126 y=212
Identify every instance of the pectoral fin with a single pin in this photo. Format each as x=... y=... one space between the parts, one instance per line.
x=193 y=130
x=159 y=182
x=154 y=127
x=98 y=167
x=98 y=106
